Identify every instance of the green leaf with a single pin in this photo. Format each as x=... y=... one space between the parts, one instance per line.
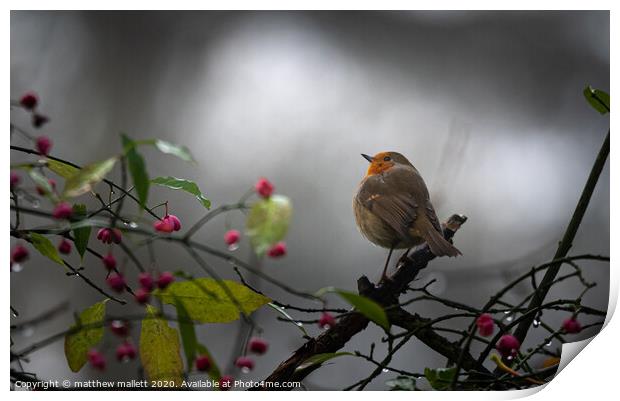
x=186 y=185
x=268 y=221
x=82 y=338
x=439 y=379
x=81 y=234
x=319 y=359
x=44 y=183
x=288 y=317
x=367 y=307
x=62 y=169
x=206 y=301
x=182 y=152
x=598 y=99
x=46 y=248
x=84 y=180
x=401 y=382
x=160 y=351
x=137 y=169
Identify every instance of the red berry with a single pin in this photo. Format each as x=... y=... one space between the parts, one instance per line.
x=485 y=325
x=120 y=328
x=163 y=226
x=264 y=188
x=39 y=119
x=41 y=191
x=125 y=351
x=327 y=321
x=116 y=282
x=571 y=326
x=225 y=383
x=107 y=236
x=277 y=250
x=146 y=281
x=63 y=210
x=245 y=363
x=29 y=100
x=19 y=254
x=96 y=359
x=164 y=280
x=232 y=237
x=508 y=345
x=15 y=179
x=109 y=261
x=43 y=145
x=258 y=345
x=142 y=296
x=64 y=247
x=203 y=363
x=173 y=221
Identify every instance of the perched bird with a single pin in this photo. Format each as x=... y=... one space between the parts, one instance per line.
x=393 y=209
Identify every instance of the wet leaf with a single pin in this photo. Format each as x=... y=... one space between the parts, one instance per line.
x=367 y=307
x=206 y=301
x=598 y=99
x=160 y=350
x=320 y=358
x=43 y=183
x=185 y=185
x=268 y=221
x=288 y=317
x=137 y=169
x=84 y=180
x=78 y=343
x=46 y=248
x=439 y=379
x=402 y=383
x=81 y=235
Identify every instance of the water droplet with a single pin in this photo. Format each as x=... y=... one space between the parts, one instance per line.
x=549 y=343
x=510 y=357
x=536 y=323
x=14 y=313
x=384 y=370
x=245 y=370
x=299 y=324
x=233 y=247
x=506 y=312
x=133 y=224
x=509 y=318
x=16 y=268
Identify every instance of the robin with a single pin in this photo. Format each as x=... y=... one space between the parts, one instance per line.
x=393 y=209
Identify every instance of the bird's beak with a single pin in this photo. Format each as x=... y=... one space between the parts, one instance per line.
x=369 y=158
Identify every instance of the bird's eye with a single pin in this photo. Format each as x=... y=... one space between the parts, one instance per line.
x=387 y=158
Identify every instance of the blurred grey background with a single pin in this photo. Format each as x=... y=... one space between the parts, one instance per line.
x=487 y=106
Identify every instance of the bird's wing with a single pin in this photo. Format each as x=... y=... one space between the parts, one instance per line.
x=393 y=204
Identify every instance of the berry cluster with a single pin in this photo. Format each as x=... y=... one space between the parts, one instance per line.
x=125 y=351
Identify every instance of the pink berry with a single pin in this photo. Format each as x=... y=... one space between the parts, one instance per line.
x=96 y=359
x=244 y=362
x=120 y=328
x=571 y=325
x=508 y=345
x=39 y=119
x=125 y=351
x=264 y=188
x=116 y=282
x=43 y=145
x=277 y=250
x=63 y=210
x=15 y=179
x=225 y=383
x=232 y=237
x=29 y=100
x=146 y=281
x=41 y=191
x=19 y=254
x=163 y=226
x=327 y=321
x=107 y=236
x=258 y=345
x=173 y=221
x=64 y=247
x=109 y=261
x=485 y=325
x=203 y=363
x=142 y=296
x=164 y=280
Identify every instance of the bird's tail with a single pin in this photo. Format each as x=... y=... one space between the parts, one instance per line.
x=439 y=245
